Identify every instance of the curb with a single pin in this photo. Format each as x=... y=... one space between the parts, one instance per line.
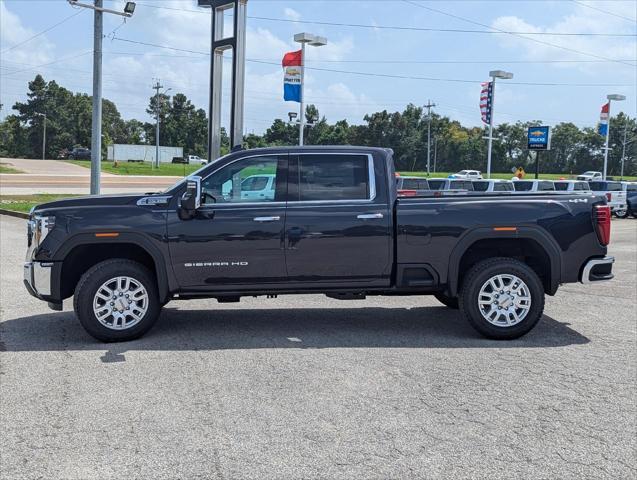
x=11 y=213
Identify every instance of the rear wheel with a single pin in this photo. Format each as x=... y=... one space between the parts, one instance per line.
x=117 y=300
x=502 y=298
x=623 y=213
x=451 y=302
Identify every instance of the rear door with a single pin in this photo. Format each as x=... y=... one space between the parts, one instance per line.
x=338 y=223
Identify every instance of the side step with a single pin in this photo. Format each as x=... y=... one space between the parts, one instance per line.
x=346 y=296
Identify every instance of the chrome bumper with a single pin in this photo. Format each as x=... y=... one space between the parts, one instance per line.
x=598 y=270
x=37 y=278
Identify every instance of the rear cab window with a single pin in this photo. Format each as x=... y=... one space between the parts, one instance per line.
x=522 y=186
x=502 y=187
x=481 y=186
x=333 y=177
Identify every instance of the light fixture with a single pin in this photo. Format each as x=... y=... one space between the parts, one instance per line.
x=129 y=8
x=501 y=74
x=616 y=97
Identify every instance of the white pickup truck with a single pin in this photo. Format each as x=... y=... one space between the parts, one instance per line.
x=614 y=192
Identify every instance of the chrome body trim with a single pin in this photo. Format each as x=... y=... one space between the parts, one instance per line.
x=38 y=276
x=586 y=272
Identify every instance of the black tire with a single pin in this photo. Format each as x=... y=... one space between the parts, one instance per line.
x=94 y=278
x=451 y=302
x=478 y=275
x=621 y=213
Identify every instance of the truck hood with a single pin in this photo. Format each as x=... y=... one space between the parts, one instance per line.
x=89 y=201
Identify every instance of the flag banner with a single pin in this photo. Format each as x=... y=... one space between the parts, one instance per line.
x=292 y=79
x=486 y=98
x=602 y=128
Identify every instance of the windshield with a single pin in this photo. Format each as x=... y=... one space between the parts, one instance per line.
x=561 y=186
x=463 y=172
x=193 y=174
x=589 y=173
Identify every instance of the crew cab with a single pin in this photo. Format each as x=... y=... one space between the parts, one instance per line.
x=450 y=184
x=572 y=186
x=614 y=193
x=334 y=226
x=590 y=176
x=467 y=175
x=494 y=185
x=533 y=186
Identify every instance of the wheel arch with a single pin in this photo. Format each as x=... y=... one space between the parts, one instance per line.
x=83 y=251
x=541 y=247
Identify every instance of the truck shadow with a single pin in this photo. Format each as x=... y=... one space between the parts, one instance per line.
x=311 y=328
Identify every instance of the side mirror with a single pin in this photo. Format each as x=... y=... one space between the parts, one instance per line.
x=191 y=199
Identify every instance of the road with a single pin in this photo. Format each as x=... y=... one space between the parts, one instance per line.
x=62 y=177
x=309 y=387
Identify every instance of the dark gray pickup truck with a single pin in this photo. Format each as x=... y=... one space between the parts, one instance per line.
x=312 y=220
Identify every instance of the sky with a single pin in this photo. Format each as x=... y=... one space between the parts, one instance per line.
x=380 y=55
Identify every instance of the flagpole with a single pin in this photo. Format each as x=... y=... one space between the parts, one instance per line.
x=606 y=143
x=302 y=105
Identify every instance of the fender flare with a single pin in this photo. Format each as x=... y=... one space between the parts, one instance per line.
x=545 y=242
x=138 y=239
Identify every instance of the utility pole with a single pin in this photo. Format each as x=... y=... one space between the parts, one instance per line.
x=624 y=148
x=96 y=121
x=43 y=115
x=157 y=87
x=435 y=153
x=429 y=106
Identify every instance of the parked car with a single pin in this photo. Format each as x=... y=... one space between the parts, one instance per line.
x=411 y=186
x=631 y=200
x=614 y=193
x=196 y=160
x=335 y=226
x=493 y=185
x=467 y=174
x=258 y=187
x=590 y=176
x=450 y=184
x=572 y=186
x=79 y=153
x=533 y=186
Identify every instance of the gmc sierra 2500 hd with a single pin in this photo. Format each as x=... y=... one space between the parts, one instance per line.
x=333 y=225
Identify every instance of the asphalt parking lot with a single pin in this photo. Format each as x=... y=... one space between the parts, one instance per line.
x=310 y=387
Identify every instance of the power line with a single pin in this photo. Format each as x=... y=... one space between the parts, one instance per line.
x=542 y=42
x=42 y=32
x=63 y=59
x=398 y=27
x=632 y=20
x=385 y=75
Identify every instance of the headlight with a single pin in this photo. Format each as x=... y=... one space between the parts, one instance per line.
x=40 y=227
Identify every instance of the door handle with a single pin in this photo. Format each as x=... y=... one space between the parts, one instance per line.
x=267 y=219
x=369 y=216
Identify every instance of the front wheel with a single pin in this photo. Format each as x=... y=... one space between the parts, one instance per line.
x=502 y=298
x=117 y=300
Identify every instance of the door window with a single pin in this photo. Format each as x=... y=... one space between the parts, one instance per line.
x=244 y=181
x=334 y=177
x=502 y=187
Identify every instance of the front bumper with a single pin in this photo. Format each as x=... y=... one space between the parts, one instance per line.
x=598 y=270
x=37 y=278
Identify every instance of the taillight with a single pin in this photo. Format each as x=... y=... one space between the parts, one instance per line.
x=407 y=193
x=602 y=223
x=609 y=196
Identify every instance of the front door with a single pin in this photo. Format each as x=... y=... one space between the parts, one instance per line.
x=338 y=226
x=236 y=237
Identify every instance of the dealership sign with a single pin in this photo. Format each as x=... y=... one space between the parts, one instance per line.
x=539 y=138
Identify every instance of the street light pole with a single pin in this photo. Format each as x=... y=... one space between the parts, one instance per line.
x=624 y=148
x=43 y=115
x=96 y=125
x=494 y=74
x=314 y=41
x=610 y=98
x=428 y=106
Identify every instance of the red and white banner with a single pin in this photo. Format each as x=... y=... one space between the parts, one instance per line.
x=292 y=63
x=486 y=99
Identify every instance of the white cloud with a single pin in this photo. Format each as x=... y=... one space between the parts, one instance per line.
x=582 y=20
x=12 y=32
x=292 y=14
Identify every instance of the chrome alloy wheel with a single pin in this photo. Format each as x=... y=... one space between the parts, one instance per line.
x=504 y=300
x=120 y=303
